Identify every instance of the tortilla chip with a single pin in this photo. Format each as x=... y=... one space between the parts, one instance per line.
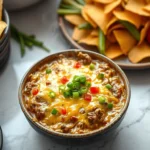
x=128 y=16
x=111 y=38
x=1 y=8
x=136 y=6
x=147 y=1
x=144 y=32
x=94 y=32
x=112 y=21
x=97 y=15
x=79 y=34
x=147 y=8
x=89 y=40
x=104 y=1
x=139 y=52
x=88 y=1
x=113 y=51
x=110 y=34
x=75 y=19
x=125 y=40
x=3 y=25
x=87 y=17
x=108 y=8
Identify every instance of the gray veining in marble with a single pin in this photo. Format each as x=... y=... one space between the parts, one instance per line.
x=132 y=134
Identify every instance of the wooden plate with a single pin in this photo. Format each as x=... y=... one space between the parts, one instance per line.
x=123 y=61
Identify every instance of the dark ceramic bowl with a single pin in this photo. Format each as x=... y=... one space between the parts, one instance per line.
x=6 y=31
x=108 y=128
x=5 y=41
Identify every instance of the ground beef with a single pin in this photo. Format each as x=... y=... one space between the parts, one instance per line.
x=29 y=87
x=86 y=59
x=94 y=116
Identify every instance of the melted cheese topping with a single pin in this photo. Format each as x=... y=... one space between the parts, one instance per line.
x=41 y=105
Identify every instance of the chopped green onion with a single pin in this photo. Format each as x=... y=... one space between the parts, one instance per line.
x=88 y=84
x=82 y=79
x=52 y=95
x=76 y=78
x=70 y=85
x=54 y=111
x=102 y=99
x=76 y=86
x=61 y=88
x=92 y=66
x=108 y=86
x=85 y=25
x=48 y=71
x=75 y=94
x=110 y=105
x=101 y=42
x=100 y=76
x=83 y=90
x=131 y=28
x=66 y=94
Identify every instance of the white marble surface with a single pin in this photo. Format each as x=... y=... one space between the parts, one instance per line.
x=132 y=134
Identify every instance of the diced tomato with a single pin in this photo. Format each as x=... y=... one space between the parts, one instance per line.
x=94 y=90
x=87 y=97
x=35 y=91
x=64 y=80
x=63 y=111
x=77 y=65
x=148 y=36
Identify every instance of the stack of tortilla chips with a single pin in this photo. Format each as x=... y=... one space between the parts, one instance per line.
x=106 y=14
x=3 y=25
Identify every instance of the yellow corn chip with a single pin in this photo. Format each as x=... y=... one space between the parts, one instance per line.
x=113 y=51
x=87 y=17
x=147 y=1
x=88 y=1
x=109 y=7
x=144 y=32
x=110 y=34
x=79 y=34
x=115 y=27
x=89 y=40
x=97 y=15
x=94 y=32
x=136 y=6
x=128 y=16
x=3 y=25
x=125 y=40
x=111 y=38
x=104 y=1
x=112 y=21
x=139 y=52
x=75 y=19
x=147 y=8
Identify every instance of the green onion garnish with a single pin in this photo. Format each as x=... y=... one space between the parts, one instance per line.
x=108 y=86
x=54 y=111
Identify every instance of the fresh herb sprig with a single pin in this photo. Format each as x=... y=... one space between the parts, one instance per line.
x=70 y=7
x=25 y=40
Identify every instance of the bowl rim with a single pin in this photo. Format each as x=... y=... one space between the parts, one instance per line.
x=97 y=131
x=6 y=19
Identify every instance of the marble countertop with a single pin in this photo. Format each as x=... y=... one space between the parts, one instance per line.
x=132 y=134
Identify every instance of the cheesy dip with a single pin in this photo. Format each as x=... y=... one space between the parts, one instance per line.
x=74 y=94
